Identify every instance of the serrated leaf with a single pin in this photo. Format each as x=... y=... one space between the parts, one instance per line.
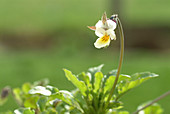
x=26 y=87
x=84 y=77
x=153 y=109
x=136 y=80
x=143 y=75
x=24 y=111
x=79 y=84
x=98 y=80
x=40 y=90
x=41 y=103
x=109 y=84
x=31 y=102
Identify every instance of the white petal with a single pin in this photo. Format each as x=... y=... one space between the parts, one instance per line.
x=112 y=34
x=111 y=24
x=100 y=32
x=99 y=24
x=98 y=44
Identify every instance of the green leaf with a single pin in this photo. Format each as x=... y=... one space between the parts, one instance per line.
x=144 y=75
x=124 y=77
x=31 y=102
x=86 y=78
x=112 y=73
x=115 y=105
x=93 y=70
x=24 y=111
x=52 y=89
x=79 y=84
x=40 y=90
x=135 y=80
x=26 y=87
x=66 y=97
x=98 y=80
x=17 y=93
x=41 y=103
x=109 y=84
x=153 y=109
x=52 y=111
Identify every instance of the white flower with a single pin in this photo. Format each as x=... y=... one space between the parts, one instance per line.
x=105 y=32
x=104 y=29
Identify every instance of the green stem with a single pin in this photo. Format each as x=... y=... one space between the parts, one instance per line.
x=120 y=61
x=156 y=100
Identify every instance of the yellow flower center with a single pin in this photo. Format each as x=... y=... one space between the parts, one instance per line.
x=105 y=38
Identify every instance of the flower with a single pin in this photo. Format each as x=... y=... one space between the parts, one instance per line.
x=104 y=29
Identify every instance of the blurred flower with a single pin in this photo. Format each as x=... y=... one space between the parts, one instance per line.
x=104 y=29
x=5 y=92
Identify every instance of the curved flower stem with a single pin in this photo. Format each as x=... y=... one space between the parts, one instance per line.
x=157 y=99
x=120 y=61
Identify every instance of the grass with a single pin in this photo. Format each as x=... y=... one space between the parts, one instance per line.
x=29 y=66
x=146 y=13
x=46 y=16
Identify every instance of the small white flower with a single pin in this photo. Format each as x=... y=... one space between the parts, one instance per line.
x=104 y=29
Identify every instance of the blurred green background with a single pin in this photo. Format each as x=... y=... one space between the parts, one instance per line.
x=38 y=38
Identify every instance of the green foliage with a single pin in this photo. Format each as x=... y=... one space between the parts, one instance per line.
x=98 y=80
x=24 y=111
x=95 y=87
x=79 y=84
x=127 y=83
x=41 y=103
x=89 y=97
